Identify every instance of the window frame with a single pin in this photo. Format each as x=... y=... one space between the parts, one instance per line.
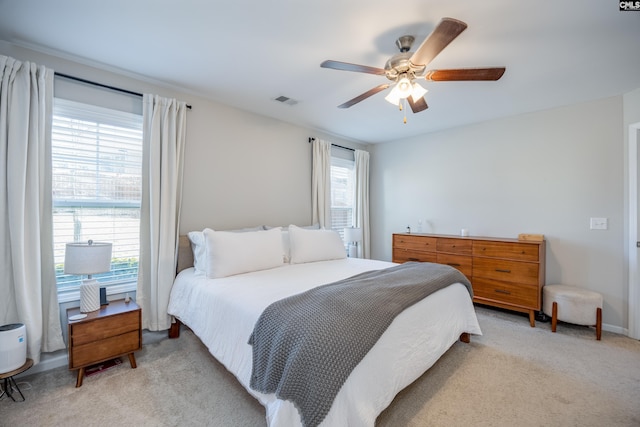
x=111 y=119
x=342 y=162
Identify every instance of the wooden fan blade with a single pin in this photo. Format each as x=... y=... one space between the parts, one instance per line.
x=417 y=106
x=447 y=30
x=346 y=66
x=363 y=96
x=465 y=74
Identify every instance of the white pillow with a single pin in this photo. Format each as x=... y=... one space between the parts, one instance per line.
x=286 y=246
x=198 y=246
x=229 y=253
x=314 y=245
x=199 y=249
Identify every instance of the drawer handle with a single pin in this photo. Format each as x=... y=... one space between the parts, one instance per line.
x=502 y=271
x=502 y=291
x=454 y=264
x=413 y=259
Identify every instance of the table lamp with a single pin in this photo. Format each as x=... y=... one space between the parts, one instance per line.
x=88 y=258
x=353 y=235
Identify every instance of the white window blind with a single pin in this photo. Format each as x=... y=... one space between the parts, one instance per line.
x=342 y=193
x=97 y=174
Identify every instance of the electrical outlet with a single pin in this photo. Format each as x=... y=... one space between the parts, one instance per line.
x=599 y=224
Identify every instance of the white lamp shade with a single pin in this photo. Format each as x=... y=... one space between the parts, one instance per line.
x=352 y=234
x=87 y=258
x=417 y=92
x=394 y=96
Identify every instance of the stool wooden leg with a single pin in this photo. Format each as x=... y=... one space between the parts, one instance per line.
x=598 y=323
x=554 y=316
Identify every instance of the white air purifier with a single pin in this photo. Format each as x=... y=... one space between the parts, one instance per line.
x=13 y=347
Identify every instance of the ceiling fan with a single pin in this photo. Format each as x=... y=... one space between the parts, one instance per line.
x=403 y=68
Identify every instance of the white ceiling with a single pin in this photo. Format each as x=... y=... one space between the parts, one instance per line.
x=246 y=53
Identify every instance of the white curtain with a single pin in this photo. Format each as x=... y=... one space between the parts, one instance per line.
x=321 y=183
x=361 y=202
x=27 y=283
x=164 y=135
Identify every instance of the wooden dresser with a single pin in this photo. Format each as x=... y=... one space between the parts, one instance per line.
x=505 y=273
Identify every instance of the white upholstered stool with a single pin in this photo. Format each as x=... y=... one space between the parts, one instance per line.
x=573 y=305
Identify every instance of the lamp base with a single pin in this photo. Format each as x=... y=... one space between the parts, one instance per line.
x=353 y=251
x=89 y=296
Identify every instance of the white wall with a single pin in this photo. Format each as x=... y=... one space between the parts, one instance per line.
x=546 y=172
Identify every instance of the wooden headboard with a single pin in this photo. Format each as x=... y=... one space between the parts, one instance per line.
x=185 y=254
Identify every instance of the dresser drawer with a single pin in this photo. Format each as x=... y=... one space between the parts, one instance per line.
x=404 y=255
x=504 y=270
x=461 y=262
x=102 y=328
x=108 y=348
x=416 y=243
x=504 y=292
x=508 y=250
x=455 y=246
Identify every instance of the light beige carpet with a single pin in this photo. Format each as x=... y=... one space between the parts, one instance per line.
x=512 y=375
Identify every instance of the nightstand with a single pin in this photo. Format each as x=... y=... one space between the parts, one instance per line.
x=112 y=331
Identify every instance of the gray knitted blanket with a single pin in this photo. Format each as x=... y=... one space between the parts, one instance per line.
x=305 y=346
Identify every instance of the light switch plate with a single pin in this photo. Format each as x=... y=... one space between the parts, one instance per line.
x=599 y=223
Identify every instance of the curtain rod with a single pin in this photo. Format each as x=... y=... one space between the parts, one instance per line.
x=117 y=89
x=334 y=145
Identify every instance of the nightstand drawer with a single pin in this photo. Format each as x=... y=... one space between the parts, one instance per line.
x=109 y=348
x=509 y=271
x=102 y=328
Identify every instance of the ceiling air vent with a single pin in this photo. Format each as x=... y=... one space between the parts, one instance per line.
x=286 y=100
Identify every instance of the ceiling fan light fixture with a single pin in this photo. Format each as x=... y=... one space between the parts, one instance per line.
x=404 y=86
x=417 y=92
x=403 y=89
x=394 y=96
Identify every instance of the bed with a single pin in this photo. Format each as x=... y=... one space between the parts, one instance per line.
x=222 y=308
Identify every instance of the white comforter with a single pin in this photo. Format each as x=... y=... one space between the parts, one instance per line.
x=222 y=313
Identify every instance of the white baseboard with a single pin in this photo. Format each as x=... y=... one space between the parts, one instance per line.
x=49 y=361
x=616 y=329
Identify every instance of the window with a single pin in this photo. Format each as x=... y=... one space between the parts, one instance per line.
x=342 y=193
x=97 y=183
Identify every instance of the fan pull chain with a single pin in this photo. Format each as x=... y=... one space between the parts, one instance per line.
x=404 y=101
